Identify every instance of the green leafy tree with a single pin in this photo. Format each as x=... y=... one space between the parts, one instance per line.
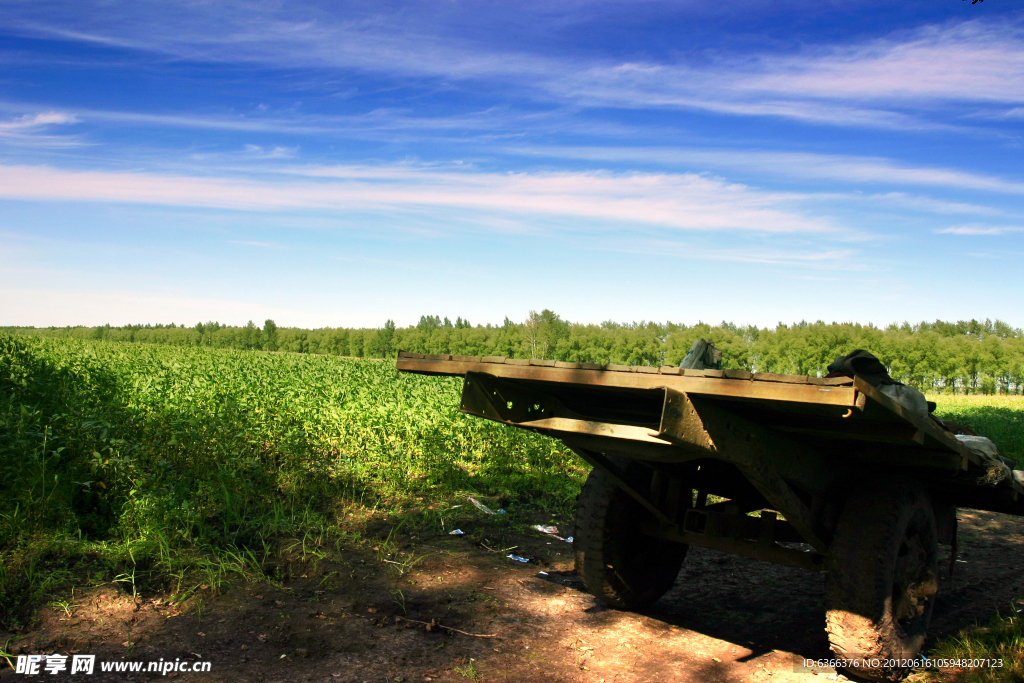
x=269 y=337
x=386 y=339
x=250 y=337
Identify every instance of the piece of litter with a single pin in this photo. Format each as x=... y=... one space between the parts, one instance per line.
x=517 y=558
x=545 y=574
x=480 y=506
x=456 y=506
x=551 y=531
x=456 y=532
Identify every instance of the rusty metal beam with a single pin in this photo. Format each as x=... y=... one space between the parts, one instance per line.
x=751 y=448
x=716 y=386
x=569 y=426
x=620 y=478
x=503 y=401
x=514 y=403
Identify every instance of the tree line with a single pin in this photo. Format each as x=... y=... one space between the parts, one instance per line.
x=958 y=357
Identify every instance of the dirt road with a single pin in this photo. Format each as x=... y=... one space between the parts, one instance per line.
x=727 y=618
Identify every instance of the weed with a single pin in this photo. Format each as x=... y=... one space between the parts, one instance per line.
x=129 y=578
x=408 y=561
x=7 y=655
x=398 y=597
x=62 y=606
x=308 y=548
x=468 y=671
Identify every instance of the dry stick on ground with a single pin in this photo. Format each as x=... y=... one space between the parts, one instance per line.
x=433 y=624
x=513 y=547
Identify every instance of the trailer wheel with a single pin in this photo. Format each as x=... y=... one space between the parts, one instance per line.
x=882 y=580
x=617 y=563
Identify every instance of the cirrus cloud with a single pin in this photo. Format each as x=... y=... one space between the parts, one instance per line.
x=974 y=229
x=676 y=201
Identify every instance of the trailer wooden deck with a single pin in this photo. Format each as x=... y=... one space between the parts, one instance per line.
x=623 y=407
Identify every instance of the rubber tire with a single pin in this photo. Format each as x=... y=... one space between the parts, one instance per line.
x=620 y=566
x=882 y=579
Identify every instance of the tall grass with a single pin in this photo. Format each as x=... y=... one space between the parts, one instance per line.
x=1001 y=641
x=126 y=454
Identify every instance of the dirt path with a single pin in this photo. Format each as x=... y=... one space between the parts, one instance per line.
x=727 y=619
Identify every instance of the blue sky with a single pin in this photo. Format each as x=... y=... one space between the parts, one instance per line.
x=339 y=164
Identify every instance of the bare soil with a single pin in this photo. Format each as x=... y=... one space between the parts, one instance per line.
x=727 y=619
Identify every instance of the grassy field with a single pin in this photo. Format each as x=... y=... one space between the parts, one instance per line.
x=999 y=417
x=153 y=464
x=166 y=468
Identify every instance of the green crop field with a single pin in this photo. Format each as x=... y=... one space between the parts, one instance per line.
x=164 y=467
x=1000 y=418
x=153 y=459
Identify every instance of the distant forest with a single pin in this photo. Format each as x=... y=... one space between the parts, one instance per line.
x=962 y=357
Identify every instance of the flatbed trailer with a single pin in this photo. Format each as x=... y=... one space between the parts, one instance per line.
x=824 y=474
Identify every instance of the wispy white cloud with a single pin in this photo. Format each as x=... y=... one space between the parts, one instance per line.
x=33 y=130
x=831 y=259
x=35 y=121
x=275 y=152
x=675 y=201
x=252 y=243
x=929 y=204
x=856 y=169
x=973 y=61
x=378 y=123
x=980 y=230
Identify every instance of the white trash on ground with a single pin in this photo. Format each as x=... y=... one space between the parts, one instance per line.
x=483 y=508
x=551 y=531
